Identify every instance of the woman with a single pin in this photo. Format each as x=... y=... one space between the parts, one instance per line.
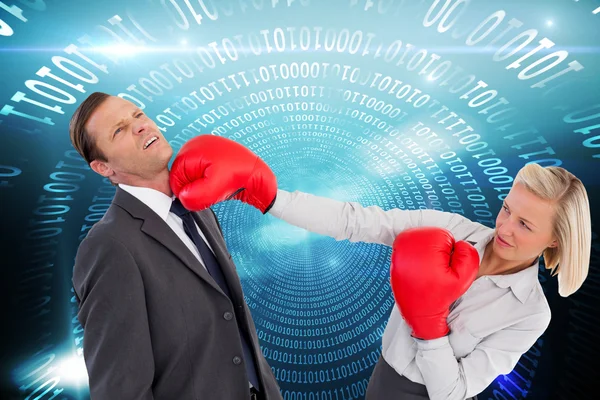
x=503 y=312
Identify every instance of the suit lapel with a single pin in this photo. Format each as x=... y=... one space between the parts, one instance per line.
x=170 y=240
x=158 y=229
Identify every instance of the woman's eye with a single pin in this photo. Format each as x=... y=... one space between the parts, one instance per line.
x=139 y=114
x=118 y=130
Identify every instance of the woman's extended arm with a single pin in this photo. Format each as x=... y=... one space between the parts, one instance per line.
x=350 y=220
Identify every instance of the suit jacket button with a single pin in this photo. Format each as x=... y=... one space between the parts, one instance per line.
x=237 y=360
x=228 y=316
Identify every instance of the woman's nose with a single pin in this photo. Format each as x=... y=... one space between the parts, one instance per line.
x=507 y=228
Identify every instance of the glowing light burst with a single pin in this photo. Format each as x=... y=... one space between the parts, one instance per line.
x=52 y=373
x=121 y=50
x=72 y=371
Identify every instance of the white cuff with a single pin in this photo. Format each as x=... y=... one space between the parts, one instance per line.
x=432 y=344
x=283 y=198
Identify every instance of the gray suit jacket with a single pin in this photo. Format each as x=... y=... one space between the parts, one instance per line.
x=156 y=325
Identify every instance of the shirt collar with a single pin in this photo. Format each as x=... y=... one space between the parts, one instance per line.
x=520 y=283
x=156 y=200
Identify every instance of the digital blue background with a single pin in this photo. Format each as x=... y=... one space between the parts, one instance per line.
x=320 y=305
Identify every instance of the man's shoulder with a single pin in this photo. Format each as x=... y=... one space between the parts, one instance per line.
x=208 y=214
x=207 y=211
x=112 y=227
x=212 y=216
x=101 y=238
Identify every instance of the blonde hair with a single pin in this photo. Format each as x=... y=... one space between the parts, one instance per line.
x=572 y=223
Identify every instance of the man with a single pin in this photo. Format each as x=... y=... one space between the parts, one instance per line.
x=159 y=298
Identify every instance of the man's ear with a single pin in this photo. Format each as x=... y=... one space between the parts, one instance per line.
x=101 y=168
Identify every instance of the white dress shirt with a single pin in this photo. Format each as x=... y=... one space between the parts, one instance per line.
x=497 y=320
x=160 y=203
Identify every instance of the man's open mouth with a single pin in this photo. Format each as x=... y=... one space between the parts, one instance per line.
x=150 y=141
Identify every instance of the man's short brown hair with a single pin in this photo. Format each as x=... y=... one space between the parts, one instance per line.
x=80 y=137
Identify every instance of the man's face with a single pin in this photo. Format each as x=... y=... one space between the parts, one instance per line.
x=121 y=131
x=525 y=222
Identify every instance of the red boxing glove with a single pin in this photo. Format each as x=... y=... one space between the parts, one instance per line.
x=209 y=169
x=429 y=272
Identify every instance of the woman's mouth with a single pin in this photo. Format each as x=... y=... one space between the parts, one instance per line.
x=502 y=242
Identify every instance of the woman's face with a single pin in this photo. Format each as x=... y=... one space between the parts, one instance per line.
x=524 y=222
